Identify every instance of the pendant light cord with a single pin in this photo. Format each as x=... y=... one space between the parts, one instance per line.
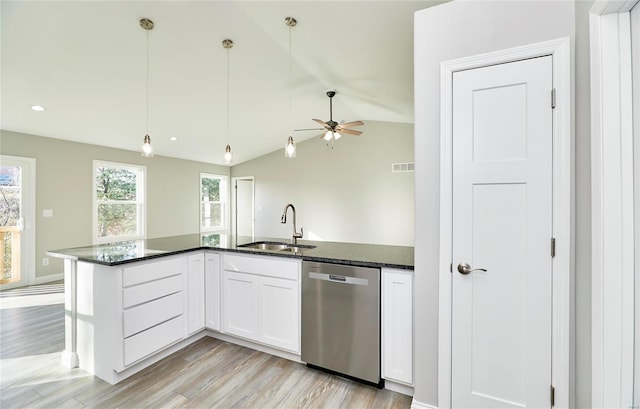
x=290 y=79
x=147 y=95
x=228 y=69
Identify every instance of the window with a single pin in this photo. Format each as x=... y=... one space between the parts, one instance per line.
x=213 y=202
x=118 y=202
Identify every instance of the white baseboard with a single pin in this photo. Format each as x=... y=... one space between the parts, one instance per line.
x=419 y=405
x=398 y=387
x=48 y=278
x=253 y=345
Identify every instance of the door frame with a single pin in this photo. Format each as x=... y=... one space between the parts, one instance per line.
x=612 y=190
x=563 y=214
x=234 y=221
x=28 y=254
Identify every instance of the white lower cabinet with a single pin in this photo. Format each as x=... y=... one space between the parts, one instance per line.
x=397 y=325
x=213 y=295
x=279 y=318
x=129 y=314
x=153 y=307
x=241 y=304
x=196 y=292
x=261 y=300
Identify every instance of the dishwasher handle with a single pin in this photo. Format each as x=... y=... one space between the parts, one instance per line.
x=338 y=279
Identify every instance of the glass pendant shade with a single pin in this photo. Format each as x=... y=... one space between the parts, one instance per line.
x=228 y=156
x=147 y=149
x=331 y=135
x=290 y=148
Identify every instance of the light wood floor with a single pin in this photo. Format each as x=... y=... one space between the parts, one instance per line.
x=207 y=373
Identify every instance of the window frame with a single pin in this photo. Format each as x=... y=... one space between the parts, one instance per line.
x=141 y=202
x=224 y=201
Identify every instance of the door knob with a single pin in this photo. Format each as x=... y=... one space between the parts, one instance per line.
x=465 y=268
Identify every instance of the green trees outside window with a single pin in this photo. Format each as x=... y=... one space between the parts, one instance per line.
x=119 y=201
x=213 y=201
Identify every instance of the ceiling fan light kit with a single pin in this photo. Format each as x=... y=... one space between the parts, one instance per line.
x=147 y=149
x=334 y=130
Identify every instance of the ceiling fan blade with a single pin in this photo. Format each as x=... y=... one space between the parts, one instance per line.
x=352 y=123
x=348 y=131
x=323 y=123
x=309 y=129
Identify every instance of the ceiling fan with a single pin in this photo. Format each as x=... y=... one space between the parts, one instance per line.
x=333 y=128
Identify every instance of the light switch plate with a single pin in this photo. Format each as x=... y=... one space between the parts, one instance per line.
x=47 y=213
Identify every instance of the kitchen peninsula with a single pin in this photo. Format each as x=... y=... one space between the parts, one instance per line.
x=366 y=255
x=130 y=304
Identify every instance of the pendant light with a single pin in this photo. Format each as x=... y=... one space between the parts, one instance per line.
x=290 y=147
x=228 y=156
x=147 y=149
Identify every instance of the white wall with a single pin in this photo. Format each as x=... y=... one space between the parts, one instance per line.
x=455 y=30
x=346 y=193
x=63 y=184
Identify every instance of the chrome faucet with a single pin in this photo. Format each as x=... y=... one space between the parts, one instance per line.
x=283 y=220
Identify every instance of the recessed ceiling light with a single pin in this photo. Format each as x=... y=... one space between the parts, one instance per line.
x=173 y=138
x=38 y=108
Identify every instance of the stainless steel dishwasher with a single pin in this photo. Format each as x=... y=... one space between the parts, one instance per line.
x=341 y=319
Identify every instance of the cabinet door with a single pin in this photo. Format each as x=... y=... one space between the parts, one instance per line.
x=279 y=313
x=195 y=295
x=212 y=291
x=240 y=304
x=397 y=325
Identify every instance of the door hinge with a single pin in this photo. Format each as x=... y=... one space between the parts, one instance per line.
x=553 y=396
x=553 y=247
x=553 y=98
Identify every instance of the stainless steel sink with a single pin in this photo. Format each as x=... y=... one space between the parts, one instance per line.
x=297 y=248
x=265 y=245
x=277 y=246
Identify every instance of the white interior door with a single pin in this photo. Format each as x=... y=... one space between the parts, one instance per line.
x=502 y=222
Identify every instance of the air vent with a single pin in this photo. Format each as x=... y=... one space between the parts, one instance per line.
x=403 y=167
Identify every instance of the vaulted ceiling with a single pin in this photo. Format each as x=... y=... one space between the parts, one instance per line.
x=85 y=61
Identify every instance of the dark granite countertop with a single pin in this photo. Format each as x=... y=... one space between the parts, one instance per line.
x=113 y=254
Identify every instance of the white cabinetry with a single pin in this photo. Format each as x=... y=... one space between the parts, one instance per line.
x=196 y=292
x=213 y=294
x=241 y=304
x=262 y=300
x=397 y=325
x=279 y=318
x=130 y=314
x=152 y=307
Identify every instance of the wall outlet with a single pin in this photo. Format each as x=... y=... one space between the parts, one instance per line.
x=45 y=261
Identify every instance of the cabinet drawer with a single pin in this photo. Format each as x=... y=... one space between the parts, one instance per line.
x=278 y=267
x=151 y=271
x=152 y=313
x=152 y=340
x=152 y=290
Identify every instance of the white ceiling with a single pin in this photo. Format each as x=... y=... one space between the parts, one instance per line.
x=85 y=62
